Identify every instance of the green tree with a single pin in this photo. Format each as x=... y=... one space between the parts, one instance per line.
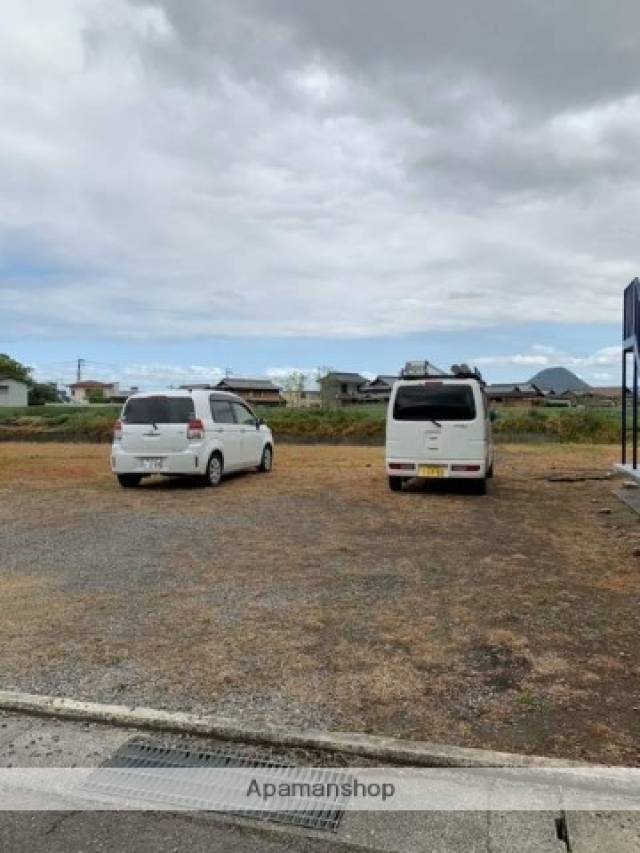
x=14 y=370
x=294 y=384
x=45 y=392
x=95 y=395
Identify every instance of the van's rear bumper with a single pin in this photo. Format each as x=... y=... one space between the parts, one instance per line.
x=184 y=462
x=465 y=469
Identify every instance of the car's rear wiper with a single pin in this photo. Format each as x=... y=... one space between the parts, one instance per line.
x=437 y=423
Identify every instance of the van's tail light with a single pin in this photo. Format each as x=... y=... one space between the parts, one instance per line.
x=465 y=467
x=195 y=429
x=117 y=431
x=402 y=466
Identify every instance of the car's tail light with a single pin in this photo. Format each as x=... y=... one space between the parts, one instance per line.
x=117 y=431
x=465 y=467
x=195 y=429
x=402 y=466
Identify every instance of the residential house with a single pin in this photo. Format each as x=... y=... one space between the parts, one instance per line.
x=13 y=392
x=121 y=395
x=379 y=389
x=195 y=386
x=603 y=397
x=515 y=394
x=305 y=399
x=341 y=389
x=84 y=391
x=257 y=392
x=610 y=394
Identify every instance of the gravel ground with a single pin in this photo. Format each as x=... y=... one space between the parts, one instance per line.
x=315 y=597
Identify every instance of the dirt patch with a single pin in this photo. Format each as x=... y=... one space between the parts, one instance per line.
x=315 y=596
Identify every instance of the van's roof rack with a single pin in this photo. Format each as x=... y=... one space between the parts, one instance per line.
x=426 y=370
x=420 y=370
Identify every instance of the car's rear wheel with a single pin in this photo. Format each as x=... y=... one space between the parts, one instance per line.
x=490 y=471
x=396 y=483
x=266 y=463
x=213 y=476
x=129 y=481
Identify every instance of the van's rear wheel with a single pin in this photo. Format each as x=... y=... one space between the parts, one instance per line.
x=396 y=483
x=129 y=481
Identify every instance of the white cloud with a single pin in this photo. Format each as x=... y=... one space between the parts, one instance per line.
x=519 y=359
x=153 y=375
x=201 y=169
x=546 y=356
x=147 y=375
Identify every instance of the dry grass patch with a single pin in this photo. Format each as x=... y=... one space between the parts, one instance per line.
x=315 y=596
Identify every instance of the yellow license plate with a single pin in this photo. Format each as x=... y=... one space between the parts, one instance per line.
x=431 y=471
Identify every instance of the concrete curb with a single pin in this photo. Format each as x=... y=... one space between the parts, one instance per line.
x=387 y=750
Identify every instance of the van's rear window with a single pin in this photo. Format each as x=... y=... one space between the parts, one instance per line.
x=434 y=402
x=158 y=410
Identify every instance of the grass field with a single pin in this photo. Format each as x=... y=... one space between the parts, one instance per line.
x=92 y=423
x=316 y=597
x=358 y=423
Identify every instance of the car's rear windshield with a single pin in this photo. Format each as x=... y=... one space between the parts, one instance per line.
x=434 y=401
x=158 y=410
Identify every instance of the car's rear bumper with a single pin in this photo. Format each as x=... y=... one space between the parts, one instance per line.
x=185 y=462
x=465 y=469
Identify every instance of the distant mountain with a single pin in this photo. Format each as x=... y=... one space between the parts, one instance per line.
x=559 y=380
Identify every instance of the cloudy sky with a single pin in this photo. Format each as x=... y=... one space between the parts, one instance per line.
x=264 y=185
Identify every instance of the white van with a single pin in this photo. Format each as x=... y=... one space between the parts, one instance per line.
x=200 y=433
x=439 y=426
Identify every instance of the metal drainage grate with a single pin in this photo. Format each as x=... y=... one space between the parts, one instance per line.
x=123 y=775
x=146 y=752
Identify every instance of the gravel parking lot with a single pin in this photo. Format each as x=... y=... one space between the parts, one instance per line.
x=314 y=596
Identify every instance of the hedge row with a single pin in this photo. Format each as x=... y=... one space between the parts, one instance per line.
x=366 y=423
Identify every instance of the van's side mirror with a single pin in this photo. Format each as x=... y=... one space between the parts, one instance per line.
x=493 y=415
x=259 y=423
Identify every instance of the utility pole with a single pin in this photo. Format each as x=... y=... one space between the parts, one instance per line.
x=81 y=363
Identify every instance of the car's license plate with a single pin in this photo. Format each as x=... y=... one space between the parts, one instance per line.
x=152 y=464
x=431 y=471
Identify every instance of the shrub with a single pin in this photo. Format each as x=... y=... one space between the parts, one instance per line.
x=521 y=422
x=571 y=425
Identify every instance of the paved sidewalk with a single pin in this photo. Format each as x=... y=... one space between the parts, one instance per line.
x=42 y=742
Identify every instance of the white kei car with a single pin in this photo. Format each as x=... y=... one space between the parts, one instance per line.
x=200 y=433
x=439 y=425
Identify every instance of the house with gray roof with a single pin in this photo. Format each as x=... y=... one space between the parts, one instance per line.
x=13 y=392
x=257 y=392
x=338 y=388
x=379 y=389
x=515 y=392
